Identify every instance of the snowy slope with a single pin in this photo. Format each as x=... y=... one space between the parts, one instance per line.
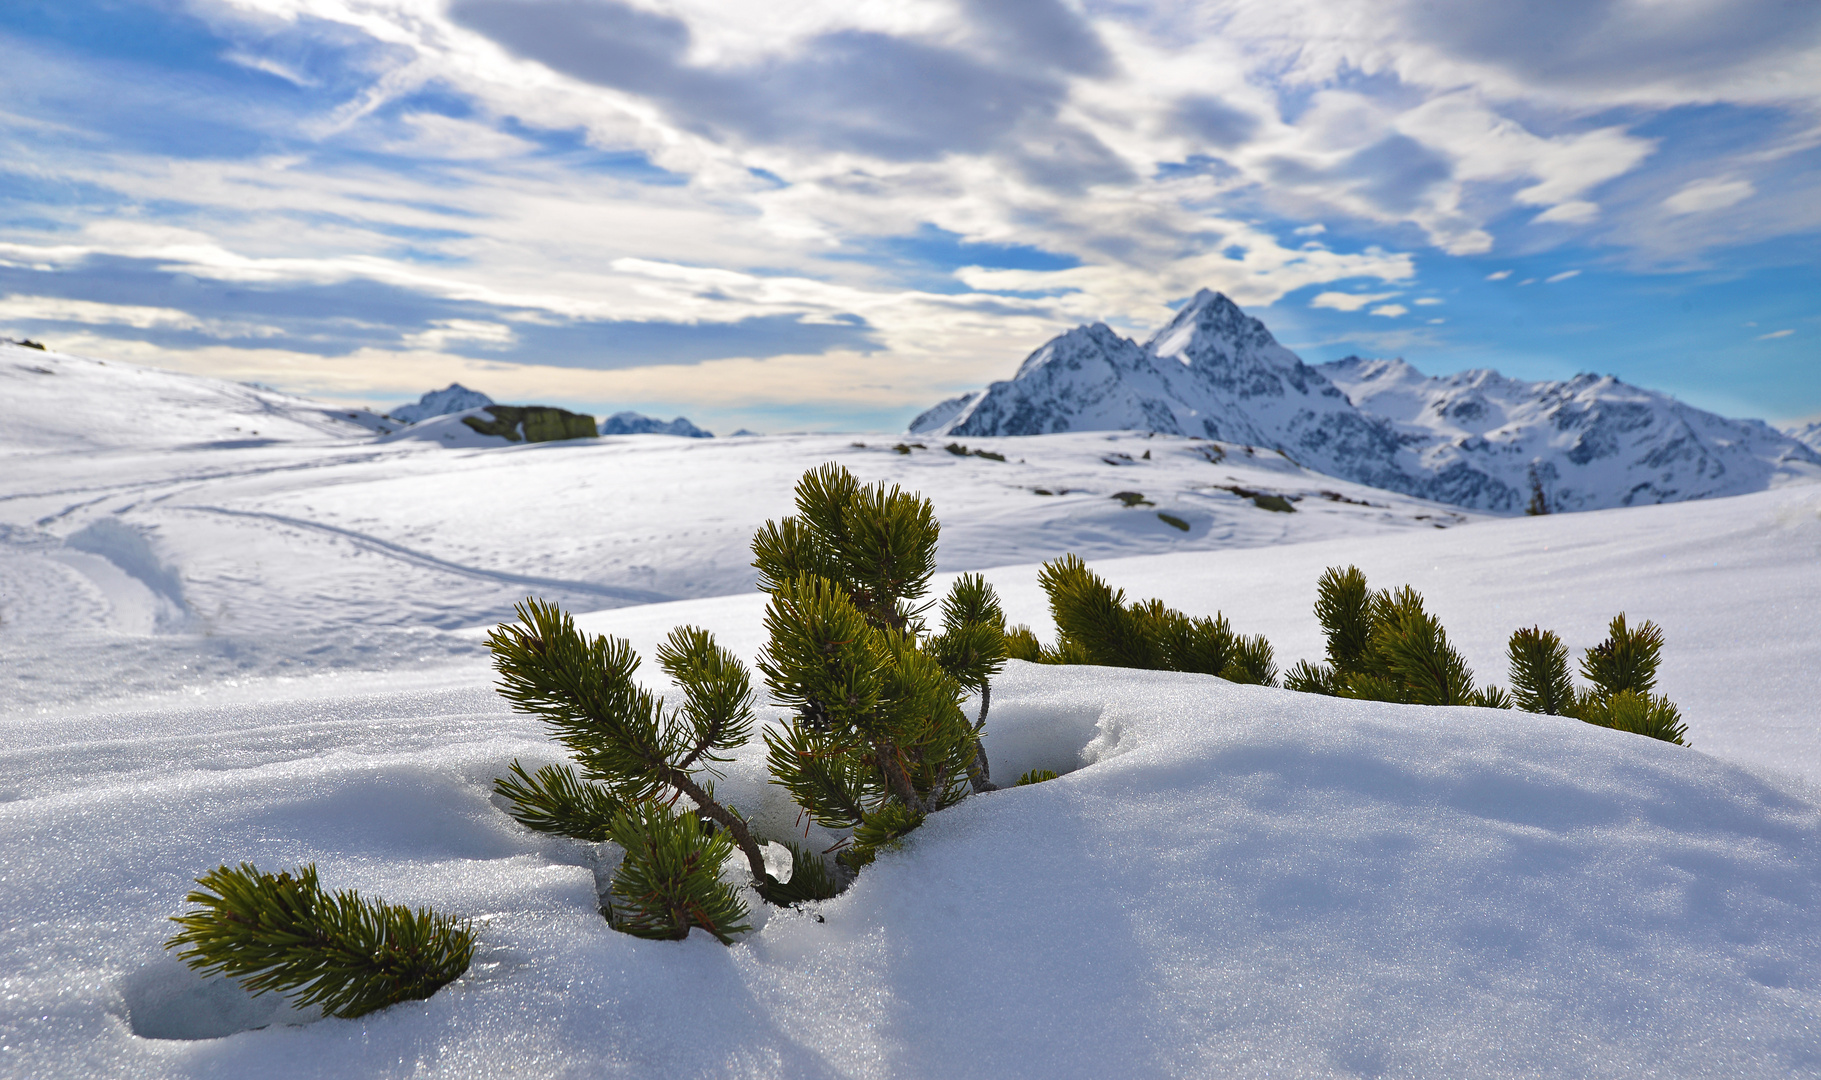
x=1469 y=440
x=269 y=558
x=58 y=403
x=1593 y=441
x=1234 y=881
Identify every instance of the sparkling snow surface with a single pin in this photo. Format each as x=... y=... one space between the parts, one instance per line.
x=1228 y=881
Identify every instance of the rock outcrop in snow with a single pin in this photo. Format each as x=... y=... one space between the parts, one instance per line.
x=631 y=423
x=1472 y=439
x=453 y=398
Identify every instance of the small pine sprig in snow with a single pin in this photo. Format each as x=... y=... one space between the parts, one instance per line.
x=283 y=932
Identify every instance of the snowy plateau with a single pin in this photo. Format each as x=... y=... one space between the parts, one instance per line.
x=1475 y=439
x=240 y=625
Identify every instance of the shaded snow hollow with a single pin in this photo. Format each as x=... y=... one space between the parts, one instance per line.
x=1234 y=881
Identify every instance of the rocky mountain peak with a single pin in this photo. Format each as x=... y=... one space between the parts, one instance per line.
x=1476 y=438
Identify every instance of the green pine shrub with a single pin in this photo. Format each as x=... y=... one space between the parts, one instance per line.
x=876 y=698
x=283 y=932
x=1385 y=646
x=1096 y=625
x=1036 y=776
x=1622 y=669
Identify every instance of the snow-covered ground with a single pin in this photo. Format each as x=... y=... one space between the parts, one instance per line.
x=1228 y=881
x=318 y=546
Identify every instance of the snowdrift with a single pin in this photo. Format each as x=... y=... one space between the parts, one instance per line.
x=1231 y=881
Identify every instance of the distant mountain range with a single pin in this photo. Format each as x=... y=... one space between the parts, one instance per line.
x=631 y=423
x=1476 y=439
x=456 y=398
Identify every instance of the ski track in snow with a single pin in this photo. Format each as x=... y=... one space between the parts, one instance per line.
x=631 y=596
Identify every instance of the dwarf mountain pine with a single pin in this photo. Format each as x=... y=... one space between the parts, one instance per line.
x=1096 y=625
x=878 y=738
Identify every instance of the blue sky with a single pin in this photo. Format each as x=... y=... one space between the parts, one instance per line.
x=830 y=215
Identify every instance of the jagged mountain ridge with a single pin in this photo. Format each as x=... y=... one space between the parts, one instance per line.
x=1469 y=439
x=1593 y=440
x=632 y=423
x=453 y=398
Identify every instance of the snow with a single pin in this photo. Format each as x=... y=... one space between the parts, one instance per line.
x=272 y=653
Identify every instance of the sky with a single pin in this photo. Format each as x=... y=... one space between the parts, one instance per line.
x=830 y=215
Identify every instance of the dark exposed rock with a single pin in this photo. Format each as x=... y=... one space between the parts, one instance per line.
x=532 y=423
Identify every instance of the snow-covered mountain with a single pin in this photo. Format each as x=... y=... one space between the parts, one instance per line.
x=1472 y=439
x=631 y=423
x=1807 y=434
x=1592 y=441
x=453 y=398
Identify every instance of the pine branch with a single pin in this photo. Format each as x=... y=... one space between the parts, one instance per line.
x=284 y=933
x=833 y=781
x=1416 y=653
x=717 y=694
x=582 y=688
x=883 y=830
x=1253 y=662
x=558 y=801
x=1310 y=678
x=1091 y=614
x=1022 y=644
x=1343 y=606
x=670 y=877
x=1539 y=672
x=1640 y=714
x=1626 y=660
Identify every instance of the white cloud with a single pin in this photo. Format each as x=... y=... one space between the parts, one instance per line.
x=1428 y=301
x=1563 y=276
x=1774 y=334
x=93 y=313
x=1340 y=301
x=1432 y=125
x=1705 y=195
x=447 y=331
x=1573 y=212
